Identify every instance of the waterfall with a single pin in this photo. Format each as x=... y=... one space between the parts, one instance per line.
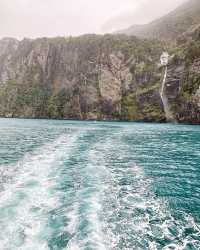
x=168 y=113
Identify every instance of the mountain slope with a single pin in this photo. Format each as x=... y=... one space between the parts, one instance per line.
x=87 y=77
x=111 y=77
x=169 y=27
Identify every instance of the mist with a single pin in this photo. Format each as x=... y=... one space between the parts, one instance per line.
x=39 y=18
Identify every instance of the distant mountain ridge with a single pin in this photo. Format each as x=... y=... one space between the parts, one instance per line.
x=170 y=26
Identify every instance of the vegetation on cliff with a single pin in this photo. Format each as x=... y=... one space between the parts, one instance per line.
x=88 y=77
x=110 y=77
x=183 y=81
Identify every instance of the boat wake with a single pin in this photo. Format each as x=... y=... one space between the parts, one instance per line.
x=84 y=192
x=27 y=198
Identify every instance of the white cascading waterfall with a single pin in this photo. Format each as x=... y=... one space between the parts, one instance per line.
x=168 y=114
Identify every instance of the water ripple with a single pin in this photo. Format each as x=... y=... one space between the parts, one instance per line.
x=95 y=186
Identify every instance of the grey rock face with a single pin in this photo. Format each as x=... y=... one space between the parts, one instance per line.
x=91 y=77
x=182 y=90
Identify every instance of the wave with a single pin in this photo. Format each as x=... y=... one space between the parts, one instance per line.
x=27 y=200
x=85 y=191
x=134 y=218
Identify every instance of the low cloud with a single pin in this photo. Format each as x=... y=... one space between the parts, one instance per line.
x=37 y=18
x=145 y=12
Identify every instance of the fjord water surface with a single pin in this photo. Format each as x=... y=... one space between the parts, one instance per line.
x=95 y=186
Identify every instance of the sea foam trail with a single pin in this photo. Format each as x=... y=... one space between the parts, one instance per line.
x=27 y=200
x=86 y=226
x=133 y=217
x=85 y=191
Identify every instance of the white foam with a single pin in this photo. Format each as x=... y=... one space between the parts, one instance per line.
x=25 y=203
x=24 y=229
x=95 y=237
x=140 y=225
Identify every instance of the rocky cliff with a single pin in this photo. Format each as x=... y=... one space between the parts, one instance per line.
x=88 y=77
x=183 y=79
x=111 y=77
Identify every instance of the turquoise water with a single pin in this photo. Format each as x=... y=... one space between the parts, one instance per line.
x=95 y=186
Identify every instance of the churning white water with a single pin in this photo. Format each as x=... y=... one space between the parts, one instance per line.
x=99 y=186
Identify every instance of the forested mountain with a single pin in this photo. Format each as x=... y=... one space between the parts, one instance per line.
x=110 y=77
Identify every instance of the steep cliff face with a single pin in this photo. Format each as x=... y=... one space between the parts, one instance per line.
x=88 y=77
x=182 y=90
x=111 y=77
x=183 y=79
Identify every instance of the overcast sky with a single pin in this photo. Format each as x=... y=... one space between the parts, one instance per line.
x=36 y=18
